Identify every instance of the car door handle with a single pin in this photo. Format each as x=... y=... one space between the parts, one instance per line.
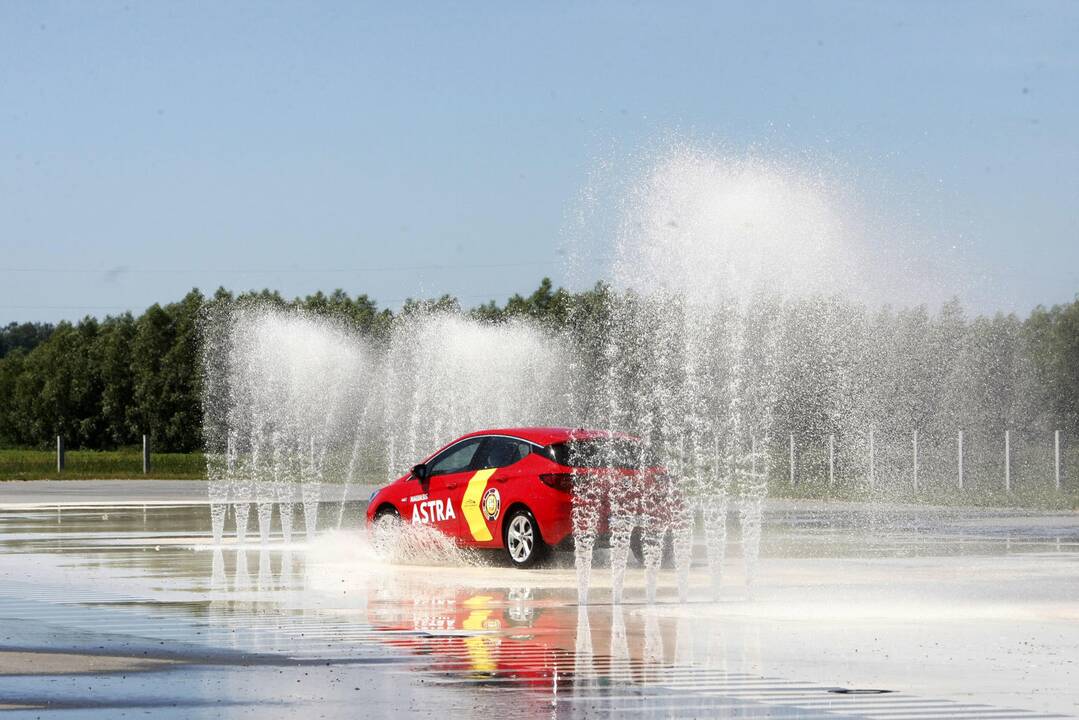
x=451 y=486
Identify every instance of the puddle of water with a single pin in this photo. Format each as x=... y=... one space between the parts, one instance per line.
x=953 y=610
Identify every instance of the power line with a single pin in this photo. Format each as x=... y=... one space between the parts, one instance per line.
x=123 y=269
x=390 y=301
x=64 y=307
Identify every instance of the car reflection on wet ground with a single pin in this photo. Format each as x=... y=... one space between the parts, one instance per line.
x=116 y=608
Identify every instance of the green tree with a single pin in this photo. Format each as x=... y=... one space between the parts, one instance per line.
x=166 y=368
x=118 y=408
x=25 y=336
x=445 y=303
x=154 y=336
x=59 y=390
x=11 y=427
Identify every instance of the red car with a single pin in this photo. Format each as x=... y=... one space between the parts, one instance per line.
x=512 y=488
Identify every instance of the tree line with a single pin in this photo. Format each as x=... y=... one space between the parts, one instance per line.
x=102 y=383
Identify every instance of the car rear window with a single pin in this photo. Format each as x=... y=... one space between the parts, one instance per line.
x=602 y=453
x=500 y=452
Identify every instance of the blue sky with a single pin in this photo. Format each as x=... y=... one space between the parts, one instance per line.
x=400 y=149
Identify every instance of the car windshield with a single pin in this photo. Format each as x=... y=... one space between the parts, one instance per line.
x=602 y=453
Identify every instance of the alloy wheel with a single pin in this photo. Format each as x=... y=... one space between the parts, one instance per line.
x=521 y=538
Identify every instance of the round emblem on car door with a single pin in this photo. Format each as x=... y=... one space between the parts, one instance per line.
x=491 y=504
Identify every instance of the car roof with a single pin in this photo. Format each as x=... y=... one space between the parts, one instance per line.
x=545 y=435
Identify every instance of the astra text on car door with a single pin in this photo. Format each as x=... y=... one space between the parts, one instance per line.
x=440 y=492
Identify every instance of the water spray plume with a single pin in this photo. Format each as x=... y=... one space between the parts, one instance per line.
x=682 y=352
x=709 y=228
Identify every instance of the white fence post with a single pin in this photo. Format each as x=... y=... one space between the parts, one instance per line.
x=753 y=457
x=793 y=479
x=831 y=459
x=145 y=454
x=960 y=451
x=915 y=443
x=872 y=469
x=60 y=453
x=1056 y=457
x=1007 y=461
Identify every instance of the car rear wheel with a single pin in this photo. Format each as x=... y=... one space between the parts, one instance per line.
x=636 y=545
x=522 y=539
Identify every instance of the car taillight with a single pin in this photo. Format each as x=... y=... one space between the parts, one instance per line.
x=559 y=481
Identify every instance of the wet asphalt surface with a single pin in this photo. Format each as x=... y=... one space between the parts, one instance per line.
x=971 y=614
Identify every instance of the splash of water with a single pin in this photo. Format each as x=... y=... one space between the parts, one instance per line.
x=706 y=247
x=294 y=402
x=710 y=226
x=281 y=391
x=446 y=375
x=403 y=543
x=684 y=356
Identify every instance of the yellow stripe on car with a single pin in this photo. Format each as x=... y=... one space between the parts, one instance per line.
x=470 y=505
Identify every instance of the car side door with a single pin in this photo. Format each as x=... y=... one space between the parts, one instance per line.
x=482 y=504
x=447 y=477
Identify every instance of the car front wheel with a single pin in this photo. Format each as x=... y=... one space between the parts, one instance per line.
x=386 y=532
x=522 y=539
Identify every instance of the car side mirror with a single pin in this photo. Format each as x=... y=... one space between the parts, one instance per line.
x=420 y=472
